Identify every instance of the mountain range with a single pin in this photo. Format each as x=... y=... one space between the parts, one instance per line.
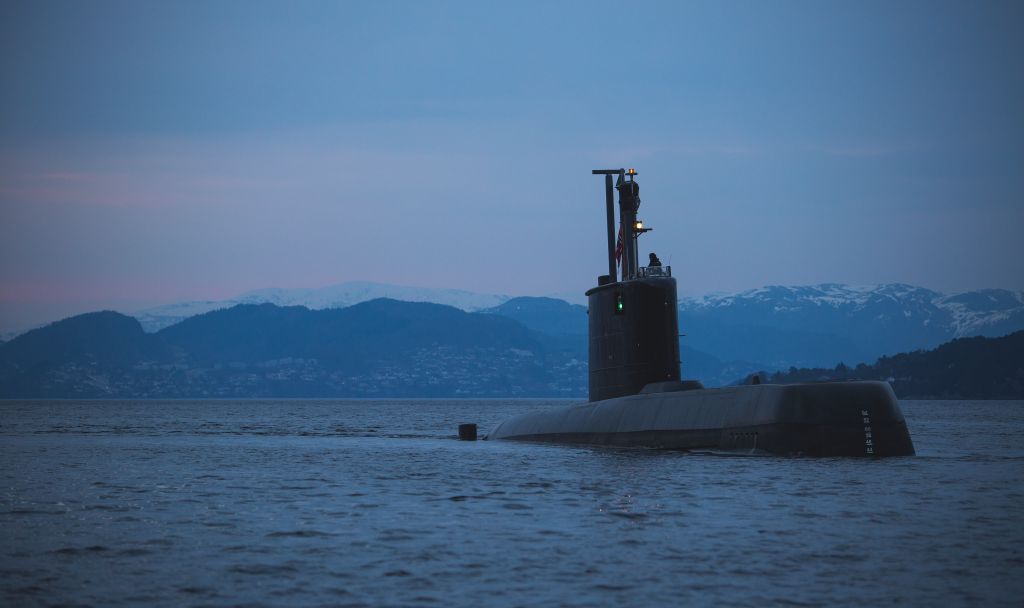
x=726 y=336
x=780 y=327
x=377 y=348
x=341 y=295
x=524 y=347
x=980 y=312
x=774 y=327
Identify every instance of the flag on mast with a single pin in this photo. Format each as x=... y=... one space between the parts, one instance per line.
x=618 y=247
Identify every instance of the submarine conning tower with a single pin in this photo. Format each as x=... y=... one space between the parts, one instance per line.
x=633 y=318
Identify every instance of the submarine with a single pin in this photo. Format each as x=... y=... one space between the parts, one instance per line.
x=637 y=397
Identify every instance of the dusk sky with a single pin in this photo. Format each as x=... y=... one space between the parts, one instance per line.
x=154 y=152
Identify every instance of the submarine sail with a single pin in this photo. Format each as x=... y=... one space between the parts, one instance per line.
x=633 y=323
x=637 y=397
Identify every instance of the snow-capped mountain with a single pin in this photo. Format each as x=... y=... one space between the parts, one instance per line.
x=987 y=312
x=334 y=296
x=967 y=314
x=825 y=324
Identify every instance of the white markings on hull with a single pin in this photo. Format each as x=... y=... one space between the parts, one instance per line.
x=869 y=440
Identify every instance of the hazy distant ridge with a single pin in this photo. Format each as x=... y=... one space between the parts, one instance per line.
x=335 y=296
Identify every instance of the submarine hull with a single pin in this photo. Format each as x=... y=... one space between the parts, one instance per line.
x=817 y=419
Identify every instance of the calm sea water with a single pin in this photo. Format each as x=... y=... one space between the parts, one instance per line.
x=374 y=503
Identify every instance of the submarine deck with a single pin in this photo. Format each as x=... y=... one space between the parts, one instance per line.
x=860 y=418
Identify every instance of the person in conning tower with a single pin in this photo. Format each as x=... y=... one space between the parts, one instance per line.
x=654 y=260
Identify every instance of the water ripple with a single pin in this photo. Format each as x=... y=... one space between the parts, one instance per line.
x=374 y=503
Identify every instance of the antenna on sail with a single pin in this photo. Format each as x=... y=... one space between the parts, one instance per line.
x=609 y=198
